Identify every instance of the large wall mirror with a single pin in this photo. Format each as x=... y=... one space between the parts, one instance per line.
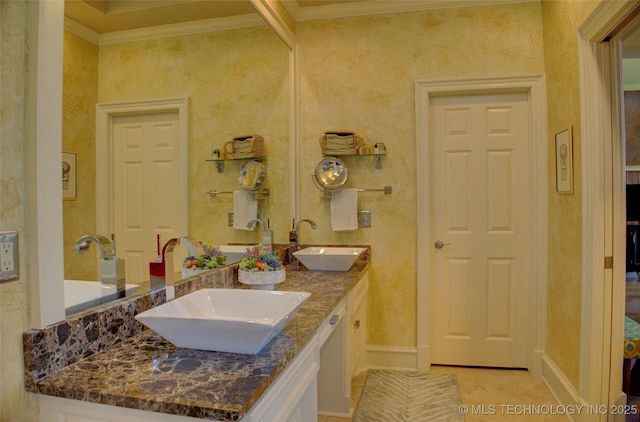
x=235 y=82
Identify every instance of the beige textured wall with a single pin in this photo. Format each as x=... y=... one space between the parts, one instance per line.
x=561 y=21
x=15 y=404
x=358 y=74
x=80 y=95
x=238 y=84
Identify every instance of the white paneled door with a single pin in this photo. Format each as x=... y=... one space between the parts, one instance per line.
x=479 y=211
x=146 y=172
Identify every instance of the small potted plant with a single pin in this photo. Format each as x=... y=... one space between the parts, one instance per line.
x=261 y=268
x=212 y=258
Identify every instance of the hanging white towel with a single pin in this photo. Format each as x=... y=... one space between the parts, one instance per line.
x=245 y=209
x=344 y=210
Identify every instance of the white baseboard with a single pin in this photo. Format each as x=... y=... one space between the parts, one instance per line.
x=397 y=358
x=559 y=385
x=536 y=365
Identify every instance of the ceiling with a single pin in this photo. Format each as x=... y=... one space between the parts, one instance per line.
x=104 y=16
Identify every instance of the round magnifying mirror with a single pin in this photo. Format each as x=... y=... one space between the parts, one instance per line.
x=252 y=176
x=331 y=173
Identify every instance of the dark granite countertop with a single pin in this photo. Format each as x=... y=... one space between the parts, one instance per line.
x=148 y=373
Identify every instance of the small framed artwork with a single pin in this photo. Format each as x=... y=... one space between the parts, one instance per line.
x=564 y=162
x=69 y=173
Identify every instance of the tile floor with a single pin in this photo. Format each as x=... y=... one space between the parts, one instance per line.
x=503 y=392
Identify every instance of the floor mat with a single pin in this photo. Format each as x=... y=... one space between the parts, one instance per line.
x=409 y=397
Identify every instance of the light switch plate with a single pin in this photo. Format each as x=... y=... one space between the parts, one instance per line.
x=9 y=257
x=364 y=219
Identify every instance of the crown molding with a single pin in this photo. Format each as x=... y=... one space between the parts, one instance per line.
x=182 y=29
x=380 y=7
x=81 y=31
x=299 y=14
x=292 y=7
x=278 y=22
x=163 y=31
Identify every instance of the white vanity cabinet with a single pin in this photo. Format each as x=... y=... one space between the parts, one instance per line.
x=342 y=354
x=358 y=326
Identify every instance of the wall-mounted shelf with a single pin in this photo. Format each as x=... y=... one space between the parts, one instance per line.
x=377 y=157
x=220 y=161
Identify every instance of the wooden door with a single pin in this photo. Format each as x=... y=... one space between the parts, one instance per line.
x=146 y=187
x=480 y=229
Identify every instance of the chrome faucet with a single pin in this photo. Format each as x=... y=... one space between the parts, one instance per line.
x=194 y=247
x=294 y=242
x=267 y=234
x=162 y=272
x=104 y=245
x=112 y=269
x=297 y=229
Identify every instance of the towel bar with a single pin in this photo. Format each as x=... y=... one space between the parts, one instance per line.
x=259 y=196
x=328 y=195
x=387 y=190
x=213 y=192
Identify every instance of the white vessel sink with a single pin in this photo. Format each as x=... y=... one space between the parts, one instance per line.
x=234 y=252
x=224 y=320
x=328 y=258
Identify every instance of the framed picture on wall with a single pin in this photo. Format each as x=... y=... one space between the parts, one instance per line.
x=69 y=173
x=564 y=162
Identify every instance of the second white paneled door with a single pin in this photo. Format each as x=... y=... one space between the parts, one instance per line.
x=147 y=174
x=479 y=213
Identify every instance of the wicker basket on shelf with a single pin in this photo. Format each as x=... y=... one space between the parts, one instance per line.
x=246 y=147
x=340 y=143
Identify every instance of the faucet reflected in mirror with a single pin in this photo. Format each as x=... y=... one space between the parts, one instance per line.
x=267 y=234
x=294 y=242
x=112 y=269
x=162 y=272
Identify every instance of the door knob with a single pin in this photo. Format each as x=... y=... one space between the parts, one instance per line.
x=440 y=244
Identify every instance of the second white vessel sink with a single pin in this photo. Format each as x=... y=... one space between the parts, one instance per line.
x=224 y=320
x=328 y=258
x=234 y=253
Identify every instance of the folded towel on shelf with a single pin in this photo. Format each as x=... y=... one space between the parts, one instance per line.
x=248 y=146
x=340 y=143
x=245 y=209
x=344 y=210
x=336 y=144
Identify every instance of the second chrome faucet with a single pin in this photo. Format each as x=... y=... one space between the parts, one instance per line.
x=294 y=241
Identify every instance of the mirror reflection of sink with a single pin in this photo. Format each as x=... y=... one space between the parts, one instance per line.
x=224 y=320
x=82 y=294
x=234 y=252
x=328 y=258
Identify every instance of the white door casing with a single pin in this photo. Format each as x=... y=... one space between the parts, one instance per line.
x=166 y=168
x=603 y=209
x=480 y=212
x=533 y=87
